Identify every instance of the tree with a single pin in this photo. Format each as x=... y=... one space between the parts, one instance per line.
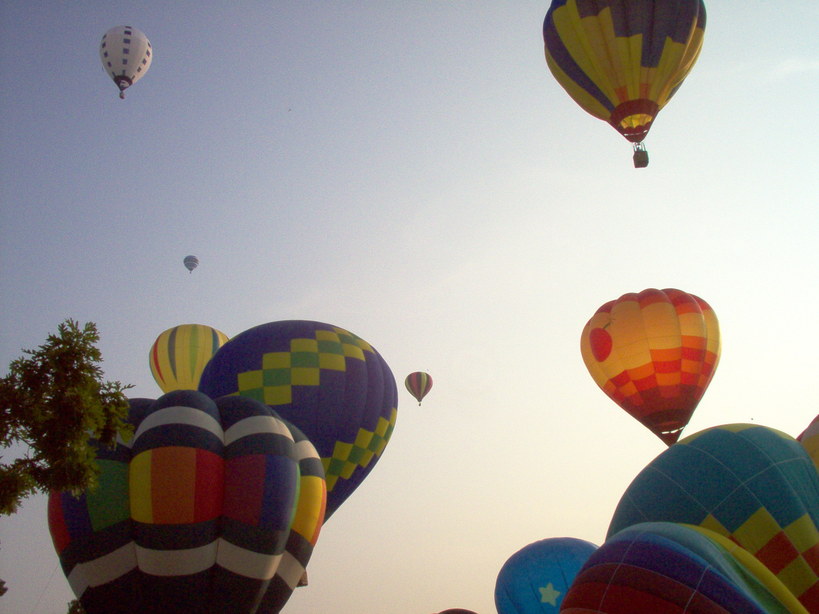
x=75 y=607
x=53 y=402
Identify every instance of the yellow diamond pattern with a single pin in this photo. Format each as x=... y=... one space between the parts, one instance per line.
x=348 y=456
x=301 y=366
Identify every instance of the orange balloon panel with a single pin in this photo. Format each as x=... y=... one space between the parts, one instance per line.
x=654 y=353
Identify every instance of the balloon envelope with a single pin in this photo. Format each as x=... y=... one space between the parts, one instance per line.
x=623 y=61
x=653 y=353
x=535 y=579
x=753 y=485
x=179 y=355
x=418 y=384
x=666 y=568
x=190 y=262
x=126 y=56
x=331 y=384
x=192 y=515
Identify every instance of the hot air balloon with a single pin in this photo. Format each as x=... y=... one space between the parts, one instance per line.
x=126 y=56
x=331 y=384
x=180 y=353
x=654 y=354
x=418 y=384
x=535 y=579
x=190 y=262
x=753 y=485
x=623 y=61
x=663 y=567
x=192 y=515
x=809 y=438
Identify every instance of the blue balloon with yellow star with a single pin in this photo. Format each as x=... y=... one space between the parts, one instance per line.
x=535 y=578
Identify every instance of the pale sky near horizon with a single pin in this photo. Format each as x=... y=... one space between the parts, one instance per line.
x=412 y=172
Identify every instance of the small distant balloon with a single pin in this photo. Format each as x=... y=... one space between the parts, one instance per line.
x=191 y=262
x=418 y=384
x=126 y=56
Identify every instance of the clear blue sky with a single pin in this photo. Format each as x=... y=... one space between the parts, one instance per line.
x=412 y=172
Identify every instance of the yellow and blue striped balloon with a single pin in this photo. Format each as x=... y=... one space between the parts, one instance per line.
x=623 y=61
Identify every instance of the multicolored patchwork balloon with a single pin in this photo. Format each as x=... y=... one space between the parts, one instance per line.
x=535 y=579
x=192 y=515
x=331 y=384
x=654 y=353
x=753 y=485
x=667 y=568
x=179 y=355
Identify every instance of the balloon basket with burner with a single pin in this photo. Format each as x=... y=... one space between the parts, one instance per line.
x=640 y=155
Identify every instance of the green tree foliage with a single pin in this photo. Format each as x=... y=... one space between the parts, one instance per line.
x=52 y=401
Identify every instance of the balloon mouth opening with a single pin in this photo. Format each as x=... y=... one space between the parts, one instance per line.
x=123 y=83
x=633 y=118
x=670 y=437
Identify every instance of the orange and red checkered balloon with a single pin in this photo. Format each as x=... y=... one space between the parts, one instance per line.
x=654 y=354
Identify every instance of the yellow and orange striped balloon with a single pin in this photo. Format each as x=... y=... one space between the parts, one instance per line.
x=179 y=355
x=654 y=354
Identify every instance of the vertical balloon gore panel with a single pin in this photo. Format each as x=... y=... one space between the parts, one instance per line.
x=305 y=529
x=176 y=483
x=261 y=490
x=92 y=534
x=328 y=382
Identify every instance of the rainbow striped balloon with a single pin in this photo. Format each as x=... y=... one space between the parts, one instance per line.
x=195 y=514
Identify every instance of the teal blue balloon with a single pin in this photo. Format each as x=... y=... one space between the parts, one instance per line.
x=536 y=578
x=751 y=484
